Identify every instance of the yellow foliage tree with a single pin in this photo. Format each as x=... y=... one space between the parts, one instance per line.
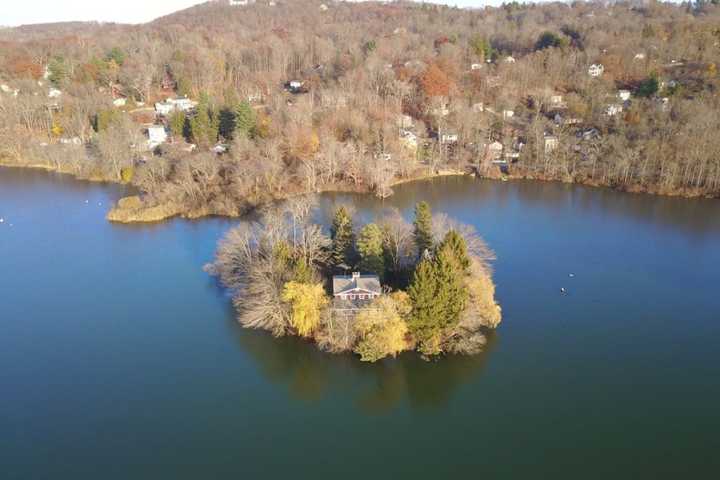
x=307 y=301
x=381 y=328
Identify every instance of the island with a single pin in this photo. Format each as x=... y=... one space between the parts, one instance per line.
x=388 y=287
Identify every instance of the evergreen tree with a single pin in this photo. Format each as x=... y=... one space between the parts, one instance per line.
x=455 y=243
x=204 y=125
x=439 y=296
x=177 y=123
x=423 y=322
x=370 y=249
x=342 y=256
x=423 y=228
x=245 y=119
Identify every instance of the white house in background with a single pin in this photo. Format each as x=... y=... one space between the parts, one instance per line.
x=174 y=104
x=54 y=93
x=596 y=69
x=120 y=102
x=156 y=136
x=639 y=56
x=236 y=3
x=77 y=141
x=255 y=96
x=509 y=59
x=624 y=95
x=409 y=139
x=613 y=109
x=551 y=143
x=495 y=150
x=506 y=114
x=476 y=66
x=323 y=7
x=478 y=107
x=404 y=121
x=448 y=138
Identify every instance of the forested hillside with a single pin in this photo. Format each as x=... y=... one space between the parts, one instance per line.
x=292 y=96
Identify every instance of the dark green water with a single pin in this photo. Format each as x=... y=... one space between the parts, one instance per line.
x=120 y=358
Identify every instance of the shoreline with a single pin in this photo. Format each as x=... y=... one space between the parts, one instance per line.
x=131 y=209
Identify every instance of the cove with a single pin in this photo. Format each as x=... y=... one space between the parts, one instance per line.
x=120 y=358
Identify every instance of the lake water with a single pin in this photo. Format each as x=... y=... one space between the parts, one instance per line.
x=121 y=359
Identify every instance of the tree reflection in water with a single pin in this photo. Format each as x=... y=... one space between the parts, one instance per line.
x=311 y=375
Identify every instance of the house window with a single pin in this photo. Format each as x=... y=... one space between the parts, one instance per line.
x=352 y=297
x=362 y=297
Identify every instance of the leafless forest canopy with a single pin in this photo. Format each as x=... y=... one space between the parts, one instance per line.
x=304 y=96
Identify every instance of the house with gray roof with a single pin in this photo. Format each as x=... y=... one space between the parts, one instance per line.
x=356 y=290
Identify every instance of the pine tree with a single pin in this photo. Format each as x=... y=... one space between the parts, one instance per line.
x=204 y=126
x=426 y=310
x=370 y=249
x=343 y=241
x=245 y=119
x=439 y=296
x=423 y=228
x=177 y=123
x=456 y=244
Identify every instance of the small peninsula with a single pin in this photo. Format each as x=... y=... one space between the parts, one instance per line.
x=387 y=287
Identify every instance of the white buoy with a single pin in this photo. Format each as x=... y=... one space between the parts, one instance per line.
x=99 y=204
x=87 y=201
x=562 y=290
x=571 y=275
x=2 y=220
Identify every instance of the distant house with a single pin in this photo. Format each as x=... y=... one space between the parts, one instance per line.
x=478 y=107
x=494 y=151
x=356 y=290
x=408 y=139
x=119 y=102
x=624 y=95
x=448 y=138
x=507 y=114
x=236 y=3
x=404 y=121
x=509 y=59
x=156 y=136
x=596 y=69
x=174 y=104
x=323 y=7
x=551 y=143
x=613 y=109
x=54 y=93
x=295 y=86
x=639 y=56
x=476 y=66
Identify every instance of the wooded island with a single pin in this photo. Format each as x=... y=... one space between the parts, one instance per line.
x=388 y=287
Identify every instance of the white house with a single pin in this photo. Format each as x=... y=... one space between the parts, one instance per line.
x=639 y=56
x=596 y=69
x=476 y=66
x=323 y=7
x=624 y=95
x=409 y=139
x=613 y=109
x=156 y=136
x=478 y=107
x=507 y=114
x=174 y=104
x=404 y=121
x=295 y=86
x=54 y=93
x=119 y=102
x=448 y=138
x=495 y=150
x=551 y=143
x=236 y=3
x=509 y=59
